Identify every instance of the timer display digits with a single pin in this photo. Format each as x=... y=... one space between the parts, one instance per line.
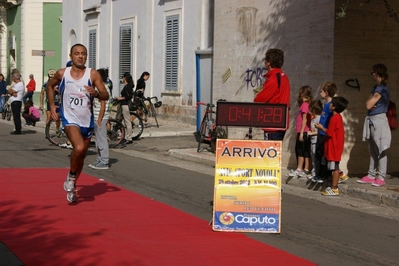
x=272 y=116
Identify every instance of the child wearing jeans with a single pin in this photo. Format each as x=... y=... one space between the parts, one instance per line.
x=302 y=145
x=315 y=108
x=327 y=92
x=334 y=143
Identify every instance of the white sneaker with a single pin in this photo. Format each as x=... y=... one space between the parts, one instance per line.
x=69 y=184
x=297 y=173
x=66 y=146
x=71 y=196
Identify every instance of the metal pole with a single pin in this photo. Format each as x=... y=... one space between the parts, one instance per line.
x=44 y=53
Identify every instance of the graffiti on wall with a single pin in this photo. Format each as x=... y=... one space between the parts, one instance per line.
x=246 y=17
x=353 y=83
x=255 y=78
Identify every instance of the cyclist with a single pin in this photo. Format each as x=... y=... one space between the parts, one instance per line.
x=126 y=96
x=139 y=94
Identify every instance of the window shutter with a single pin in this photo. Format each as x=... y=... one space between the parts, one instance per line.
x=172 y=52
x=125 y=51
x=92 y=48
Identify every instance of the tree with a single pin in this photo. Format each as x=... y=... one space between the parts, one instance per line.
x=344 y=6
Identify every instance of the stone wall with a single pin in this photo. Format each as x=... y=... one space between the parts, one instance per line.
x=318 y=48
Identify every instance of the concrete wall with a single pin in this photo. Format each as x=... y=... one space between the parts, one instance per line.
x=244 y=30
x=365 y=37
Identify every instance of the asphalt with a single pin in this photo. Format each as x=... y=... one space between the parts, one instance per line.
x=387 y=195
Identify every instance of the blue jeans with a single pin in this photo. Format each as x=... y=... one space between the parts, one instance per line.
x=2 y=102
x=28 y=95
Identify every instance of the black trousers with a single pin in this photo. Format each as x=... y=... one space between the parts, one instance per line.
x=321 y=165
x=16 y=114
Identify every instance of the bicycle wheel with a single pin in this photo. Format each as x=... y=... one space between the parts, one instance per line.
x=137 y=126
x=220 y=132
x=3 y=113
x=153 y=113
x=115 y=132
x=202 y=135
x=54 y=133
x=8 y=114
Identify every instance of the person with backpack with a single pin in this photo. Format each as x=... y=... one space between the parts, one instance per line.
x=376 y=128
x=276 y=88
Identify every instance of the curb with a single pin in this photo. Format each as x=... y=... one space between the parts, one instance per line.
x=386 y=196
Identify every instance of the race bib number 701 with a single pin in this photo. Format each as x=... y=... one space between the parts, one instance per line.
x=78 y=100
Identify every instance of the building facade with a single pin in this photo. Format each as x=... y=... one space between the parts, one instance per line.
x=161 y=37
x=214 y=49
x=29 y=28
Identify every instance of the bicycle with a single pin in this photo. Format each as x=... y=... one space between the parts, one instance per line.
x=56 y=134
x=146 y=107
x=6 y=112
x=137 y=125
x=209 y=132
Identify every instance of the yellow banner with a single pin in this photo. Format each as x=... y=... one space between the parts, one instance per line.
x=247 y=196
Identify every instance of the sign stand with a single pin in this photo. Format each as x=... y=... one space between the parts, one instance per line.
x=247 y=196
x=43 y=53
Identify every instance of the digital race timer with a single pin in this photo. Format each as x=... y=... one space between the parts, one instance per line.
x=265 y=115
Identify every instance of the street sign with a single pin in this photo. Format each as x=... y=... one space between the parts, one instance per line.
x=43 y=53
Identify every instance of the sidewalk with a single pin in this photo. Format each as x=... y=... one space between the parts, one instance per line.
x=387 y=195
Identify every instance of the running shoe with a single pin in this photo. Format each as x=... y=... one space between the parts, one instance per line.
x=378 y=182
x=366 y=180
x=308 y=174
x=315 y=179
x=330 y=192
x=71 y=196
x=69 y=184
x=66 y=146
x=92 y=164
x=298 y=173
x=342 y=177
x=100 y=166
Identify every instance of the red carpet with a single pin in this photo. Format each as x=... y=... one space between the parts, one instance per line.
x=112 y=226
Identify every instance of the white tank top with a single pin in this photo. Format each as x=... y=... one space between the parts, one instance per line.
x=76 y=102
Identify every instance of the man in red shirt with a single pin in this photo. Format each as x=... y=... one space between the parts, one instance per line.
x=276 y=88
x=31 y=87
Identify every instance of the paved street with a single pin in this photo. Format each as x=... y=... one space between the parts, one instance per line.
x=328 y=231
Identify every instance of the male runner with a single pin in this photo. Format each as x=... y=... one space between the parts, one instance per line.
x=77 y=90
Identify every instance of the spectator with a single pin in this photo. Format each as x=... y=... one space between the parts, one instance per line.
x=31 y=87
x=327 y=92
x=16 y=92
x=302 y=145
x=376 y=128
x=101 y=116
x=315 y=109
x=31 y=114
x=276 y=88
x=3 y=92
x=334 y=143
x=126 y=96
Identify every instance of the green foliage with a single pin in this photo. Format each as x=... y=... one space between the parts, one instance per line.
x=344 y=6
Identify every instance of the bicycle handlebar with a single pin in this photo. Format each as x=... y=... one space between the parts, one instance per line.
x=206 y=104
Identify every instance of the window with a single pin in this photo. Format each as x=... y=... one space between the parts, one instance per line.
x=125 y=50
x=172 y=53
x=92 y=48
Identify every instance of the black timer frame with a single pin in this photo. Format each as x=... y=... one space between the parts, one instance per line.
x=249 y=114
